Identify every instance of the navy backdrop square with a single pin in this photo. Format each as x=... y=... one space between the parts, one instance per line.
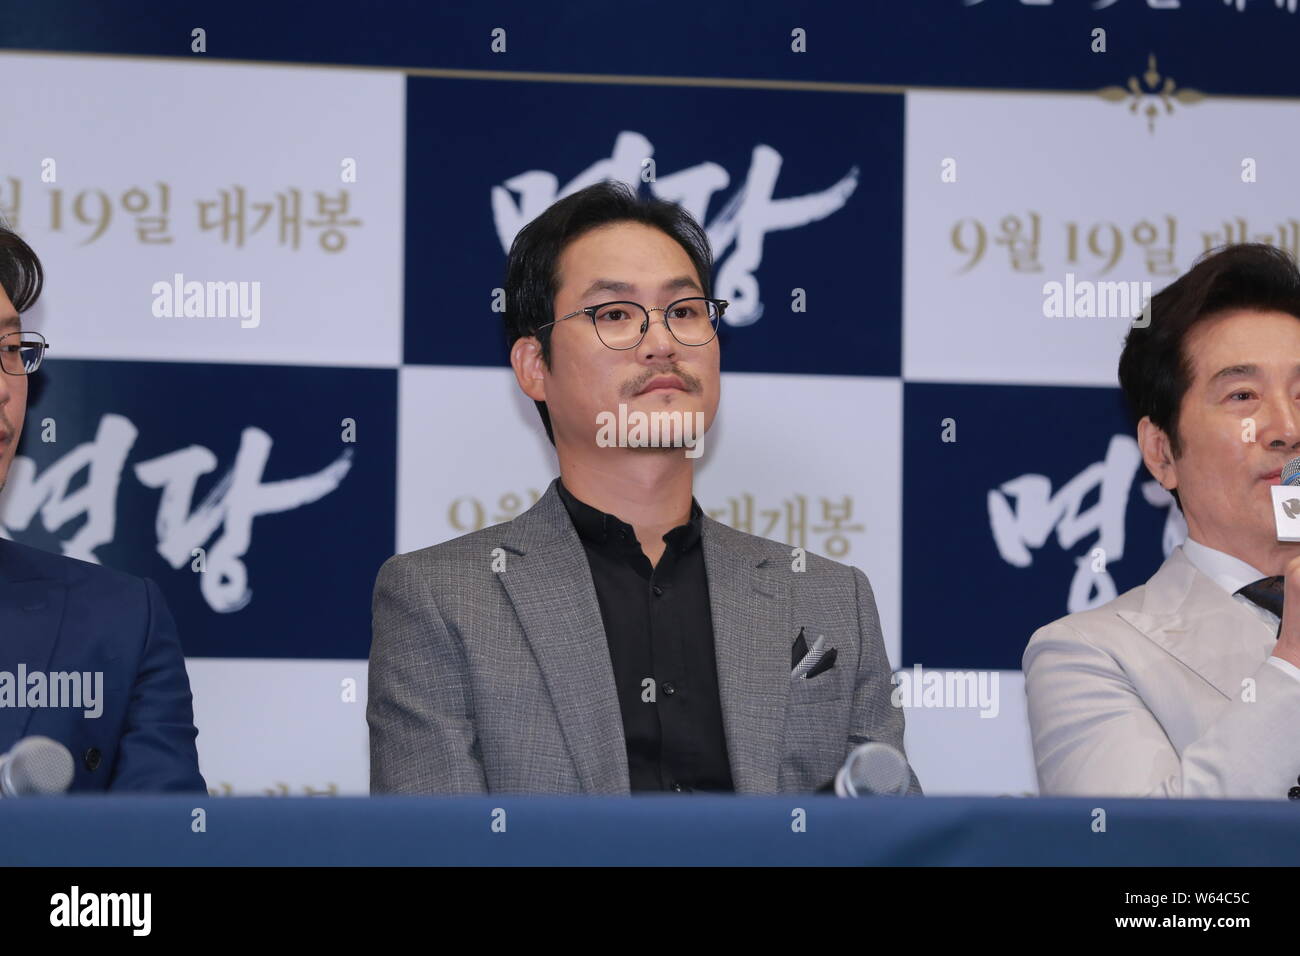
x=466 y=136
x=310 y=568
x=964 y=604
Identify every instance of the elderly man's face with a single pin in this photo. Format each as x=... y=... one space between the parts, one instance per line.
x=1239 y=423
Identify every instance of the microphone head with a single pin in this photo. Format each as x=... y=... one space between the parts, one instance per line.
x=875 y=768
x=36 y=766
x=1291 y=472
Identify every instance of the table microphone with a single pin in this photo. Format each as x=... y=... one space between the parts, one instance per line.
x=872 y=769
x=35 y=766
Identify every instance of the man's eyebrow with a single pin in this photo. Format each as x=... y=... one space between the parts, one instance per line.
x=10 y=323
x=624 y=288
x=1242 y=371
x=1234 y=371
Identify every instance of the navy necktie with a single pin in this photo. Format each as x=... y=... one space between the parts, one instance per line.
x=1267 y=593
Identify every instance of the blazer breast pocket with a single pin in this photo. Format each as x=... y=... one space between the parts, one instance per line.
x=827 y=685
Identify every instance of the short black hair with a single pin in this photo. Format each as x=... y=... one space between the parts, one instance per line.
x=1154 y=369
x=532 y=265
x=21 y=275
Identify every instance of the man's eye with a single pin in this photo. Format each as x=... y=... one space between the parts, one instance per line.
x=1247 y=394
x=615 y=315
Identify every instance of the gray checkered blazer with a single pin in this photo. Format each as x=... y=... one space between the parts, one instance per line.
x=501 y=681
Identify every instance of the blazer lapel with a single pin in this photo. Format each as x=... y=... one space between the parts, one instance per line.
x=549 y=583
x=31 y=610
x=1201 y=625
x=752 y=634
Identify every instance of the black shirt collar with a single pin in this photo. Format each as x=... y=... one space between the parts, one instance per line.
x=600 y=528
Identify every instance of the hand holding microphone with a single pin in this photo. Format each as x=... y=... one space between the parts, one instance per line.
x=1288 y=637
x=1286 y=515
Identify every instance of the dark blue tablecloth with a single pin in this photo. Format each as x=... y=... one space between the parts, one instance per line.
x=664 y=830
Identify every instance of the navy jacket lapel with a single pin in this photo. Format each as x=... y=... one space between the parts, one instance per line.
x=31 y=611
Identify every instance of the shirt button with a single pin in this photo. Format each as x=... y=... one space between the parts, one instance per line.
x=669 y=689
x=658 y=591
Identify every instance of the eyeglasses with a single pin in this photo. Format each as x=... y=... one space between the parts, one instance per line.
x=21 y=352
x=692 y=321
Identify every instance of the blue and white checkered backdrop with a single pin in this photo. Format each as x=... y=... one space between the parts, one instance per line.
x=272 y=266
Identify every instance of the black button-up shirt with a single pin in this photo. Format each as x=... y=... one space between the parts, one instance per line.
x=660 y=632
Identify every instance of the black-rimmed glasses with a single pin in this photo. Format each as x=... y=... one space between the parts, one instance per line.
x=622 y=325
x=21 y=352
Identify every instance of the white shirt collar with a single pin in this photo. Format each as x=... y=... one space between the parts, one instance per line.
x=1231 y=574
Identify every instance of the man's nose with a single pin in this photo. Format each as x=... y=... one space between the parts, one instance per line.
x=658 y=341
x=1283 y=423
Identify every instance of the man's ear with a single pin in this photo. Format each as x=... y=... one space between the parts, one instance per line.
x=526 y=360
x=1157 y=453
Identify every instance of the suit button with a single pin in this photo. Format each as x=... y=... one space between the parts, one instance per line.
x=1293 y=793
x=91 y=759
x=669 y=689
x=659 y=592
x=677 y=787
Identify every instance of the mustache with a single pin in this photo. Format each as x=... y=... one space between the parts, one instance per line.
x=690 y=381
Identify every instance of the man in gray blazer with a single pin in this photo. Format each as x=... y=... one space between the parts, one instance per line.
x=613 y=638
x=1189 y=686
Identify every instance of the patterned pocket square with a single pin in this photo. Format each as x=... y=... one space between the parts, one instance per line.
x=809 y=662
x=823 y=665
x=798 y=650
x=826 y=663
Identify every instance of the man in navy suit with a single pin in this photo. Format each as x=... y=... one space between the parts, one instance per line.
x=88 y=656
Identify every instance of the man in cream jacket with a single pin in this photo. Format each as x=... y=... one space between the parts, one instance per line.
x=1189 y=686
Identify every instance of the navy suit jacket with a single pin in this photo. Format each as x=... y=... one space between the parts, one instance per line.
x=60 y=614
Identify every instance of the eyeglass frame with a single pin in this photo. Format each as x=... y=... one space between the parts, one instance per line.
x=591 y=310
x=43 y=346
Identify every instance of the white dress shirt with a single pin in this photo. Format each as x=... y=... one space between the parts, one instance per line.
x=1233 y=574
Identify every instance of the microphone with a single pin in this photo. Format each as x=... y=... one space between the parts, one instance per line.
x=872 y=769
x=36 y=766
x=1286 y=503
